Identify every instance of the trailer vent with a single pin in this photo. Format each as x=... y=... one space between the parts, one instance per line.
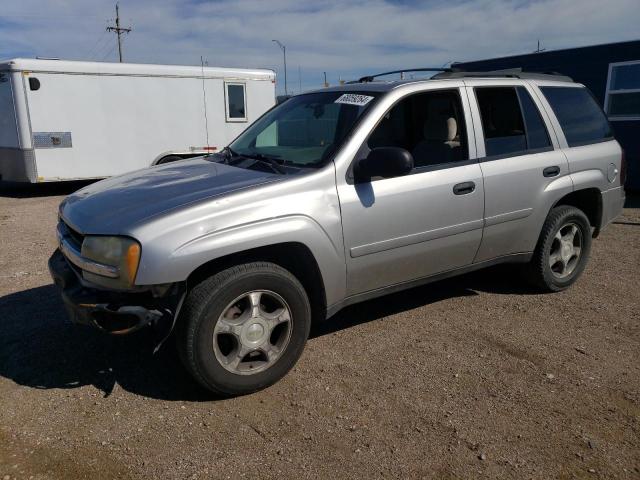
x=52 y=140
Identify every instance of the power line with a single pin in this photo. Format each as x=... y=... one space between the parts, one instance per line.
x=103 y=48
x=109 y=52
x=119 y=31
x=93 y=48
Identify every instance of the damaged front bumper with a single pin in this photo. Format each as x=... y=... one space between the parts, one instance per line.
x=113 y=311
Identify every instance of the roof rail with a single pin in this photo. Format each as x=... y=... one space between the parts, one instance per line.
x=507 y=73
x=369 y=78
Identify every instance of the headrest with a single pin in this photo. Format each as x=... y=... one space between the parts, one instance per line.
x=440 y=128
x=452 y=129
x=440 y=125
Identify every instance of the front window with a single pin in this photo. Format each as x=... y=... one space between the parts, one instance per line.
x=304 y=130
x=430 y=125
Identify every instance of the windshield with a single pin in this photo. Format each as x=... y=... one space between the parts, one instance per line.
x=304 y=130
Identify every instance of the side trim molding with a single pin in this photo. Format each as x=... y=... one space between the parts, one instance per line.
x=361 y=297
x=508 y=217
x=414 y=238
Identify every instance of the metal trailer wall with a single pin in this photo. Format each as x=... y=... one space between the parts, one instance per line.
x=88 y=120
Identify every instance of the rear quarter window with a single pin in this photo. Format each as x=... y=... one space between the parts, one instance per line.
x=582 y=120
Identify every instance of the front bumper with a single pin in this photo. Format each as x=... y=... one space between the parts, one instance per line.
x=112 y=311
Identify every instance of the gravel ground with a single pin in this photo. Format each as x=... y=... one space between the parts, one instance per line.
x=474 y=377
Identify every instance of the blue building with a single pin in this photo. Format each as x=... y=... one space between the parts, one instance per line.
x=611 y=71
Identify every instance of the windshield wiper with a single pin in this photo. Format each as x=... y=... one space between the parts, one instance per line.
x=271 y=161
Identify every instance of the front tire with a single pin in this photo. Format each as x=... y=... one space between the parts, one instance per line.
x=244 y=328
x=562 y=251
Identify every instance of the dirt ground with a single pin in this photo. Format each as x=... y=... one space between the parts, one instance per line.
x=474 y=377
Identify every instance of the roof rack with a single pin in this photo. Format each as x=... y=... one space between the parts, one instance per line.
x=507 y=73
x=369 y=78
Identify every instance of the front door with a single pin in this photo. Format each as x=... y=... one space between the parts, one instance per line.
x=429 y=221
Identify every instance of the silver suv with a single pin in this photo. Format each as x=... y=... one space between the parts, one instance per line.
x=334 y=197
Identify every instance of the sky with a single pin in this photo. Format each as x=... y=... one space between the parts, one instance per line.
x=346 y=39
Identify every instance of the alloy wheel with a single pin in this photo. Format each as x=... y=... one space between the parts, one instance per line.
x=252 y=332
x=566 y=250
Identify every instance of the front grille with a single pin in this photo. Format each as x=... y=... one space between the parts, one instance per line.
x=75 y=238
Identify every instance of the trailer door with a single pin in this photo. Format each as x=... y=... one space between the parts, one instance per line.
x=16 y=163
x=8 y=124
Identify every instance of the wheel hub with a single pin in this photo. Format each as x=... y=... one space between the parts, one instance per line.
x=253 y=333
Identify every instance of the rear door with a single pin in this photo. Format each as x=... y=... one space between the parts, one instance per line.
x=523 y=168
x=408 y=227
x=584 y=134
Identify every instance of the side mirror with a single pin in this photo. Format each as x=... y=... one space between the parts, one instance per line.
x=385 y=162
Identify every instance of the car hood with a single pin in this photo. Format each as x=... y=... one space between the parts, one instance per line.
x=115 y=205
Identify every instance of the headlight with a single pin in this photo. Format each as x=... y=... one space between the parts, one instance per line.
x=122 y=253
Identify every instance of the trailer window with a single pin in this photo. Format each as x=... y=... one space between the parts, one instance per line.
x=622 y=100
x=236 y=102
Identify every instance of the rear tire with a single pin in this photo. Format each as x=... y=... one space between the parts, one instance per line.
x=258 y=308
x=562 y=250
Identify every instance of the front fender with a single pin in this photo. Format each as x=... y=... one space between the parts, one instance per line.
x=220 y=243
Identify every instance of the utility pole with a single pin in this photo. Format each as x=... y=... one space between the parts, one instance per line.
x=325 y=79
x=119 y=31
x=284 y=52
x=299 y=79
x=538 y=50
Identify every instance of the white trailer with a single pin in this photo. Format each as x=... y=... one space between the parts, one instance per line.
x=64 y=120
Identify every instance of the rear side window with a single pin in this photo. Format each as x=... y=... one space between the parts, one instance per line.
x=511 y=121
x=581 y=119
x=537 y=135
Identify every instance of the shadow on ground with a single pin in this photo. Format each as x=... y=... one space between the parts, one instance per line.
x=40 y=349
x=32 y=190
x=633 y=200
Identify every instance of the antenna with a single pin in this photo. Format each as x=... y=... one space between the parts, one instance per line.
x=204 y=103
x=119 y=31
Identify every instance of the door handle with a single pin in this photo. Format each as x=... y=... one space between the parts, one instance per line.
x=464 y=188
x=551 y=171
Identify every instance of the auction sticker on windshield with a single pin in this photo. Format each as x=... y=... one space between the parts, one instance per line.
x=354 y=99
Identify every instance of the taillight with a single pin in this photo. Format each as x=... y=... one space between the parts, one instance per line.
x=623 y=169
